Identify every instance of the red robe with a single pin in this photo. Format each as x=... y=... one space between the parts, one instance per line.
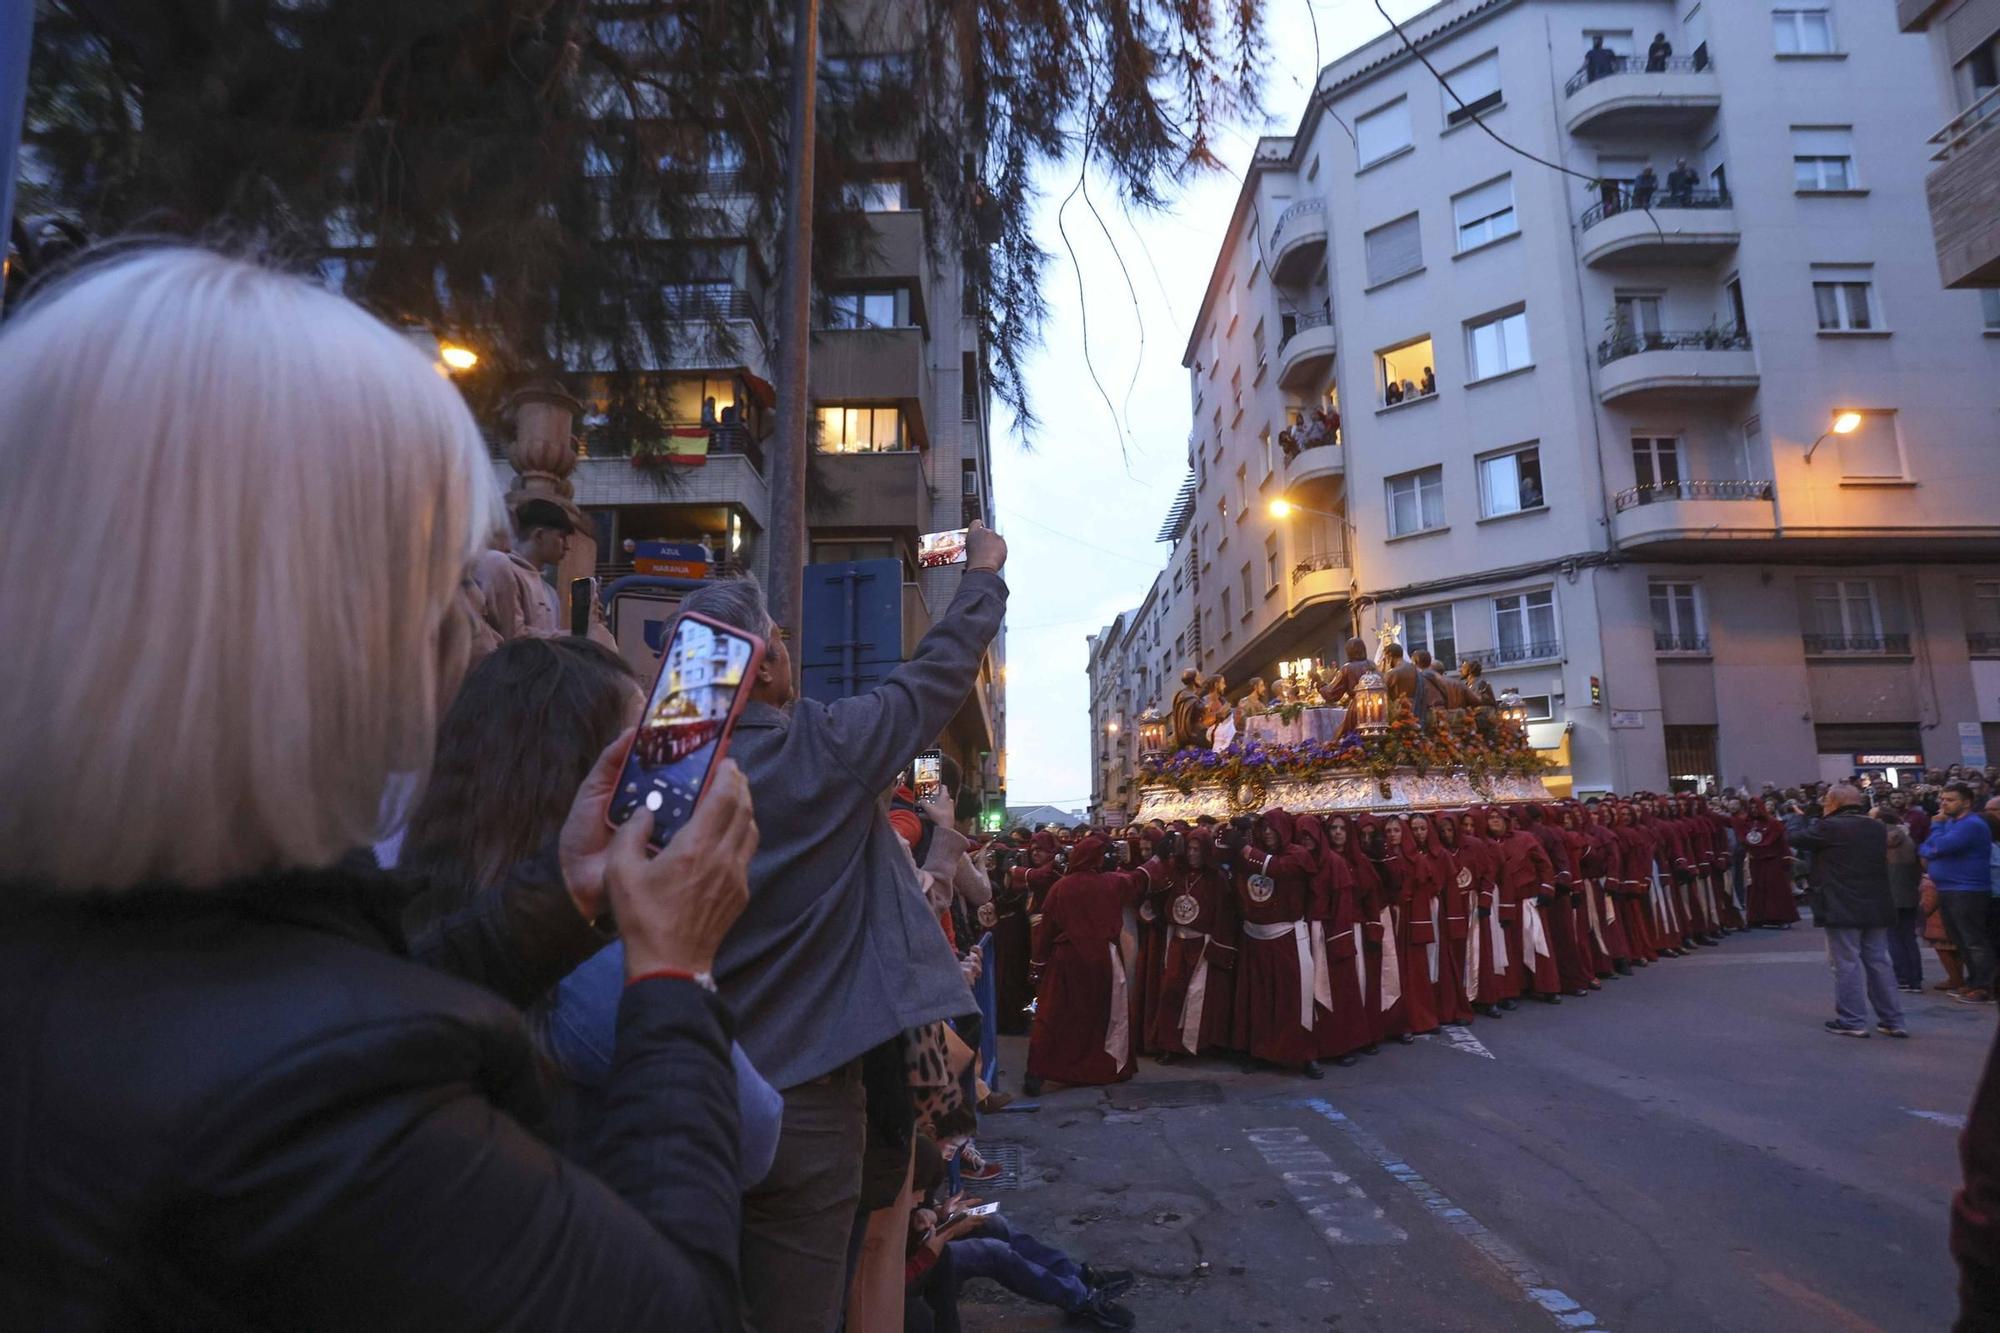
x=1392 y=982
x=1340 y=1026
x=1494 y=979
x=1199 y=966
x=1078 y=1017
x=1600 y=873
x=1720 y=851
x=1559 y=909
x=1669 y=919
x=1770 y=890
x=1275 y=979
x=1370 y=899
x=1436 y=869
x=1527 y=876
x=1012 y=945
x=1585 y=915
x=1634 y=892
x=1149 y=885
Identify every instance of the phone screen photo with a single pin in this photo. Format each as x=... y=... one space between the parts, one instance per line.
x=927 y=775
x=582 y=592
x=937 y=549
x=706 y=671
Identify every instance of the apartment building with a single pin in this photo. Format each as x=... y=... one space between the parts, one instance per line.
x=1674 y=431
x=1964 y=182
x=899 y=389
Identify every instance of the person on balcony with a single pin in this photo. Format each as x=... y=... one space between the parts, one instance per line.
x=1392 y=394
x=1658 y=54
x=1430 y=383
x=1681 y=182
x=1644 y=186
x=1600 y=60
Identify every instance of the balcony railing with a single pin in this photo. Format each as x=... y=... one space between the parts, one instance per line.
x=1632 y=200
x=1693 y=64
x=1961 y=130
x=1889 y=645
x=1710 y=339
x=1524 y=652
x=1303 y=208
x=1292 y=323
x=1679 y=643
x=1318 y=561
x=1664 y=491
x=1983 y=643
x=724 y=438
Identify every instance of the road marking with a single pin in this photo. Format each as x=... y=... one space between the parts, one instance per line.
x=1941 y=1117
x=1568 y=1312
x=1768 y=956
x=1459 y=1039
x=1831 y=1313
x=1342 y=1211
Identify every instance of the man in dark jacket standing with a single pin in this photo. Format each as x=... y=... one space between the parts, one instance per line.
x=1851 y=898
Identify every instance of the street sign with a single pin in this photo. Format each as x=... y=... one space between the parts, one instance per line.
x=1888 y=759
x=1627 y=719
x=680 y=560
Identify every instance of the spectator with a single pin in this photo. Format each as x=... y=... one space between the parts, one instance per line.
x=541 y=711
x=1681 y=183
x=993 y=1249
x=1957 y=857
x=1430 y=383
x=837 y=952
x=1658 y=54
x=1609 y=195
x=1851 y=899
x=1392 y=394
x=1905 y=878
x=1644 y=185
x=1599 y=60
x=339 y=1135
x=1940 y=941
x=518 y=599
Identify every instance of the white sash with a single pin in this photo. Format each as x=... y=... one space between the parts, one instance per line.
x=1472 y=938
x=1590 y=892
x=1392 y=963
x=1309 y=984
x=1322 y=974
x=1498 y=931
x=1361 y=965
x=1197 y=995
x=1118 y=1036
x=1432 y=947
x=1535 y=939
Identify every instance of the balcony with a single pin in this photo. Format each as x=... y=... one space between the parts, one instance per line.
x=1857 y=645
x=1298 y=242
x=893 y=249
x=874 y=366
x=873 y=491
x=1682 y=645
x=1964 y=191
x=1307 y=352
x=1320 y=577
x=1514 y=654
x=1679 y=96
x=1983 y=643
x=1703 y=363
x=1693 y=511
x=1314 y=462
x=1689 y=227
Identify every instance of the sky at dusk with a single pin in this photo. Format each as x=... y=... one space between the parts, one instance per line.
x=1080 y=513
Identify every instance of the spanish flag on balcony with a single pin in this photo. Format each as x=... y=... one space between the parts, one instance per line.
x=681 y=446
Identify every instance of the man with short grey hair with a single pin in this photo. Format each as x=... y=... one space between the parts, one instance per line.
x=838 y=951
x=1852 y=900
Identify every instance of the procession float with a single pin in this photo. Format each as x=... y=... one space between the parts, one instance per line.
x=1371 y=752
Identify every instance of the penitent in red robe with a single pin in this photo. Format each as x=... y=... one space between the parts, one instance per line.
x=1082 y=1031
x=1341 y=1026
x=1769 y=854
x=1526 y=876
x=1276 y=973
x=1198 y=973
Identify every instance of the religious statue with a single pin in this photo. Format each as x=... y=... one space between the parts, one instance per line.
x=1402 y=678
x=1259 y=699
x=1433 y=691
x=1190 y=729
x=1482 y=693
x=1338 y=686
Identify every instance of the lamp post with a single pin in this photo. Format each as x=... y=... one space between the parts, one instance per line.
x=1844 y=423
x=1514 y=712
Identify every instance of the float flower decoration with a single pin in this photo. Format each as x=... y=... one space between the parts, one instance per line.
x=1453 y=745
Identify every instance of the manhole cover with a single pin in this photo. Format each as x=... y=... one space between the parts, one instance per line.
x=1149 y=1096
x=1005 y=1155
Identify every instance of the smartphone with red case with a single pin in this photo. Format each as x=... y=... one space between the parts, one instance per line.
x=707 y=670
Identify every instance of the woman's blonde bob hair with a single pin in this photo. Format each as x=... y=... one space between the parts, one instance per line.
x=235 y=510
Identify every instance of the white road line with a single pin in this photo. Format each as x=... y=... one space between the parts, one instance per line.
x=1342 y=1211
x=1767 y=956
x=1568 y=1313
x=1459 y=1039
x=1941 y=1117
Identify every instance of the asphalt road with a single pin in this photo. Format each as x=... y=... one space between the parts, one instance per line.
x=1685 y=1149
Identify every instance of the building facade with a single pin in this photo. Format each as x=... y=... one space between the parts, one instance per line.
x=1964 y=181
x=1579 y=413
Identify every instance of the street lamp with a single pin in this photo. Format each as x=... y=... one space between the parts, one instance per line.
x=1283 y=508
x=1154 y=742
x=457 y=358
x=1371 y=704
x=1844 y=423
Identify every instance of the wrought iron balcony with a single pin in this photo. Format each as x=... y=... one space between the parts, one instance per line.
x=1628 y=200
x=1983 y=643
x=1679 y=643
x=1665 y=491
x=1299 y=211
x=1661 y=340
x=1535 y=651
x=1314 y=563
x=1880 y=645
x=1693 y=64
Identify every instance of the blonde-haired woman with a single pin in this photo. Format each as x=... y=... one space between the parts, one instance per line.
x=235 y=519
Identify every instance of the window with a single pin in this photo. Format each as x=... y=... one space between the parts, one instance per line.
x=1243 y=582
x=1180 y=640
x=1540 y=707
x=1257 y=343
x=1432 y=628
x=1802 y=32
x=1872 y=451
x=1845 y=298
x=879 y=196
x=1677 y=621
x=1989 y=308
x=1270 y=453
x=1982 y=616
x=689 y=398
x=1394 y=250
x=860 y=430
x=1407 y=372
x=1510 y=483
x=1416 y=501
x=1823 y=157
x=1484 y=213
x=1242 y=491
x=1226 y=628
x=1977 y=73
x=1524 y=626
x=1270 y=564
x=1844 y=616
x=1497 y=344
x=1477 y=85
x=1691 y=765
x=886 y=309
x=1383 y=132
x=1637 y=313
x=1656 y=462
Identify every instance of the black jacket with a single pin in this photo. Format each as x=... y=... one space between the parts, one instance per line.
x=1849 y=881
x=246 y=1108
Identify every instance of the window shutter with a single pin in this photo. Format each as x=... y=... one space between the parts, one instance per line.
x=1383 y=131
x=1823 y=141
x=1474 y=83
x=1484 y=201
x=1393 y=249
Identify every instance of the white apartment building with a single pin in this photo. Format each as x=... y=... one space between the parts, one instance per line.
x=1624 y=496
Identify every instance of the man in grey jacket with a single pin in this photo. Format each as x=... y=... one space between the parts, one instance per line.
x=1851 y=899
x=838 y=950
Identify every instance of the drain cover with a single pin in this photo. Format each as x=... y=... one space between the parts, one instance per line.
x=1149 y=1096
x=1007 y=1156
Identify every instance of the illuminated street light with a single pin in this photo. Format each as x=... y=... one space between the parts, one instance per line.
x=1281 y=508
x=457 y=358
x=1844 y=423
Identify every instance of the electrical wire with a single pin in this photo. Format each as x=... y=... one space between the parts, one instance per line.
x=1153 y=565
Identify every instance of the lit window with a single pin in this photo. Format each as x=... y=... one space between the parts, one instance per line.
x=1802 y=32
x=869 y=310
x=1498 y=344
x=860 y=430
x=1407 y=372
x=1510 y=483
x=1416 y=501
x=880 y=196
x=1823 y=157
x=1484 y=213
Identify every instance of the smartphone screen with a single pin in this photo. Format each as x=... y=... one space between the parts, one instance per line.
x=983 y=1210
x=705 y=674
x=926 y=775
x=582 y=592
x=935 y=549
